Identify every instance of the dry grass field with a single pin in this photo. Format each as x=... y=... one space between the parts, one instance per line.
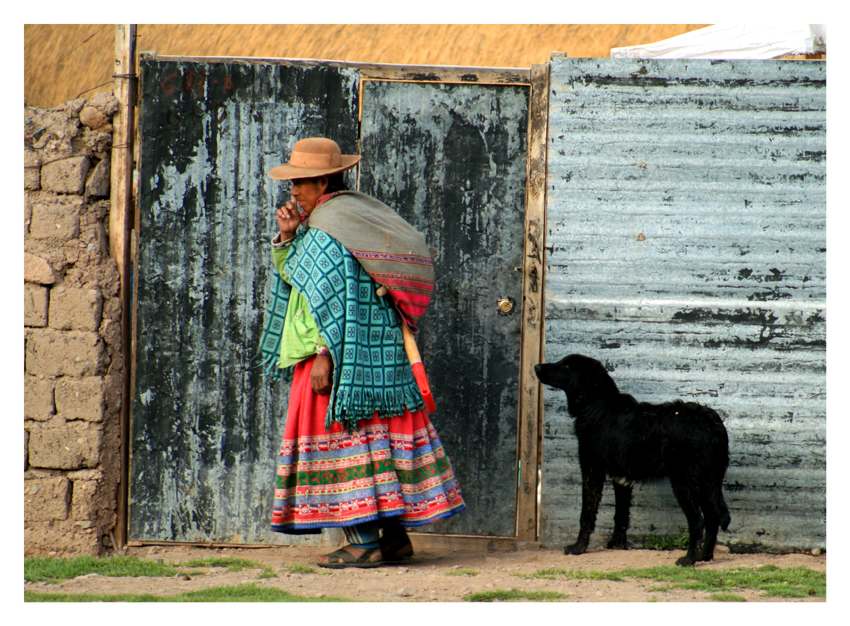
x=66 y=61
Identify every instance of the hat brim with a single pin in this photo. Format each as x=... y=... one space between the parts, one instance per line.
x=290 y=172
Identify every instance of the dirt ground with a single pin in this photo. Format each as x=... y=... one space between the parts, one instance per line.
x=426 y=577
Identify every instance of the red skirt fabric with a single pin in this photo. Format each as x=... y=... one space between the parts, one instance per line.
x=394 y=467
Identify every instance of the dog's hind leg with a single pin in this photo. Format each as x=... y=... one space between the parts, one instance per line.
x=591 y=494
x=716 y=515
x=712 y=523
x=686 y=493
x=622 y=503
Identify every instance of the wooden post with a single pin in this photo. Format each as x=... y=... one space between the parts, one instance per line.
x=120 y=225
x=531 y=395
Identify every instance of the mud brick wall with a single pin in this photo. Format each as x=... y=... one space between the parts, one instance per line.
x=72 y=331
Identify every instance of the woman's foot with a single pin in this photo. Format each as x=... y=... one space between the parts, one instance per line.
x=351 y=556
x=395 y=544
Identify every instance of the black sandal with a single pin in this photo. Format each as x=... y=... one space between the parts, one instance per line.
x=345 y=559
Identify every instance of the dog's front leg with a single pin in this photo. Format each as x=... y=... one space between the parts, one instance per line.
x=622 y=503
x=591 y=494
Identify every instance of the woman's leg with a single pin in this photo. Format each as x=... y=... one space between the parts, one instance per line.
x=364 y=535
x=363 y=548
x=395 y=543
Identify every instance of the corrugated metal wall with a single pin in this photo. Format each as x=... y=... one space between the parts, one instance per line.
x=687 y=251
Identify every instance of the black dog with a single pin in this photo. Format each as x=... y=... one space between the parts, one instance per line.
x=635 y=442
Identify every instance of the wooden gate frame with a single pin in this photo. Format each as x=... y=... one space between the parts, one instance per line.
x=121 y=226
x=530 y=406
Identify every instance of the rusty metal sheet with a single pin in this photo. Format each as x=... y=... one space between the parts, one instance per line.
x=205 y=429
x=452 y=160
x=687 y=251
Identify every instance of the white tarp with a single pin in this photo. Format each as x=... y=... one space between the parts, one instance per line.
x=733 y=41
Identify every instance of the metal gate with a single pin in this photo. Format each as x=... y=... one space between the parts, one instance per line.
x=450 y=157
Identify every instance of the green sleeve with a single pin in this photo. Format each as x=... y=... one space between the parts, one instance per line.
x=300 y=335
x=279 y=256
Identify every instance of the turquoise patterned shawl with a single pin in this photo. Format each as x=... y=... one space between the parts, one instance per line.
x=371 y=370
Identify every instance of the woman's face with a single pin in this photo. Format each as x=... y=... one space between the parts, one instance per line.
x=307 y=191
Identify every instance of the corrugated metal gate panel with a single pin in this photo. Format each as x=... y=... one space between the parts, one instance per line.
x=451 y=159
x=206 y=431
x=687 y=251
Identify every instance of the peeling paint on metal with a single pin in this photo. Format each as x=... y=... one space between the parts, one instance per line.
x=451 y=159
x=206 y=430
x=687 y=251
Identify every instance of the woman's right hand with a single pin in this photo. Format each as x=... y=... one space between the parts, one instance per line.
x=288 y=218
x=321 y=376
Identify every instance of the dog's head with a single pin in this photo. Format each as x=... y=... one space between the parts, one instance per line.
x=582 y=378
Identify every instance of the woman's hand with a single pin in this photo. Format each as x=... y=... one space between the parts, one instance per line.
x=320 y=376
x=289 y=219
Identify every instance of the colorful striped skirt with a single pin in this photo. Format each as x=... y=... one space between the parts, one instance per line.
x=386 y=468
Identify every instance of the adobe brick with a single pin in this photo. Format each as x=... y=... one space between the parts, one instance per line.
x=69 y=447
x=35 y=305
x=65 y=175
x=81 y=399
x=52 y=352
x=56 y=219
x=46 y=499
x=84 y=503
x=38 y=270
x=32 y=169
x=38 y=398
x=75 y=309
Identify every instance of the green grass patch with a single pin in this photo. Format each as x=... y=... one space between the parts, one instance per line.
x=53 y=570
x=727 y=597
x=231 y=563
x=513 y=595
x=556 y=574
x=298 y=568
x=667 y=542
x=241 y=593
x=792 y=582
x=462 y=572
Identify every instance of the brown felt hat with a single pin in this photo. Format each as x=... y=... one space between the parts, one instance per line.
x=315 y=156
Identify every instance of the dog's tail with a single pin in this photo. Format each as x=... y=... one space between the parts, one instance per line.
x=721 y=464
x=715 y=496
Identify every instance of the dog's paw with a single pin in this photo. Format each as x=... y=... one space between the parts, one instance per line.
x=685 y=561
x=575 y=548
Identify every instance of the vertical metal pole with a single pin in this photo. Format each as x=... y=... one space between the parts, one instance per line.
x=120 y=225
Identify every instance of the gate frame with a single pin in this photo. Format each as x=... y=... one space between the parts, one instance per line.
x=530 y=405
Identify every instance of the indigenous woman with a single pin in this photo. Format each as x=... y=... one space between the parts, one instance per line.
x=358 y=451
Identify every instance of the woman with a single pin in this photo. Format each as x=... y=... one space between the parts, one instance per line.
x=358 y=450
